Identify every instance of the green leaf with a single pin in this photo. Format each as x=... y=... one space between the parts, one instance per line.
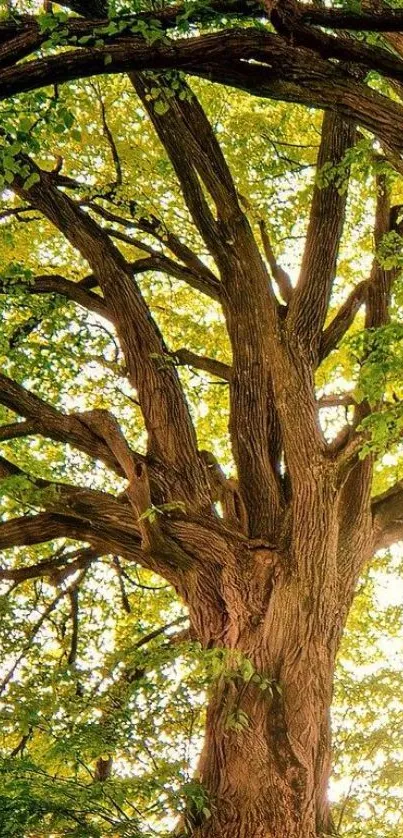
x=32 y=180
x=161 y=107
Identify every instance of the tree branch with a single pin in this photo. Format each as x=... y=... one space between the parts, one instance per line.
x=162 y=264
x=292 y=74
x=83 y=515
x=387 y=513
x=176 y=134
x=381 y=280
x=36 y=529
x=156 y=228
x=336 y=400
x=105 y=522
x=310 y=301
x=44 y=419
x=196 y=156
x=16 y=430
x=169 y=15
x=110 y=140
x=56 y=284
x=58 y=567
x=280 y=276
x=342 y=321
x=185 y=119
x=315 y=83
x=201 y=362
x=387 y=20
x=124 y=597
x=170 y=431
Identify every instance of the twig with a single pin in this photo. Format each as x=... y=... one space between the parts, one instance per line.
x=125 y=599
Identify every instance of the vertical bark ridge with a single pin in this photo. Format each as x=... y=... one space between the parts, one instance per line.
x=254 y=426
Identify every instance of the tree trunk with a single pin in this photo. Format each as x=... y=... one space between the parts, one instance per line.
x=259 y=782
x=266 y=758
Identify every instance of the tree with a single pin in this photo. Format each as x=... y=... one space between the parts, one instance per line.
x=267 y=562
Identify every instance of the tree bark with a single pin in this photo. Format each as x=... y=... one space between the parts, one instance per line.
x=277 y=618
x=259 y=783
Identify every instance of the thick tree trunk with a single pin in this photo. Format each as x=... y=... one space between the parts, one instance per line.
x=266 y=758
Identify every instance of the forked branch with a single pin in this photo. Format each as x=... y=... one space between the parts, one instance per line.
x=170 y=430
x=45 y=420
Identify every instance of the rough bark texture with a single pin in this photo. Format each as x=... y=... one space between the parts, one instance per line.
x=266 y=757
x=271 y=580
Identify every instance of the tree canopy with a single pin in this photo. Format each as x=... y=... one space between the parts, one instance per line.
x=142 y=147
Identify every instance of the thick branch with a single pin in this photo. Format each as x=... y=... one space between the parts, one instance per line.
x=387 y=512
x=36 y=529
x=170 y=430
x=176 y=135
x=46 y=420
x=17 y=430
x=185 y=120
x=388 y=20
x=138 y=490
x=292 y=74
x=105 y=523
x=311 y=299
x=316 y=83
